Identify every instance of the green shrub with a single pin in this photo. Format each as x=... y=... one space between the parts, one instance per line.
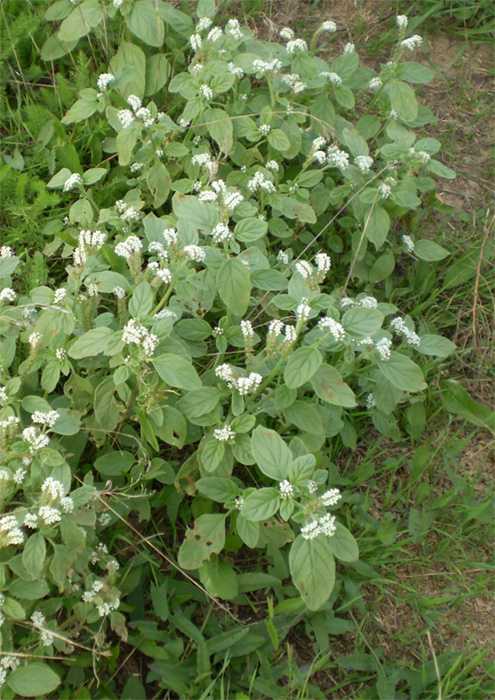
x=199 y=351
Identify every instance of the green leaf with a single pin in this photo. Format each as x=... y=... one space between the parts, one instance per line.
x=402 y=99
x=220 y=128
x=141 y=301
x=234 y=286
x=196 y=213
x=179 y=21
x=436 y=345
x=414 y=73
x=295 y=209
x=33 y=680
x=199 y=403
x=362 y=323
x=159 y=598
x=68 y=423
x=157 y=71
x=344 y=96
x=460 y=403
x=33 y=555
x=145 y=22
x=261 y=504
x=248 y=531
x=301 y=366
x=129 y=66
x=115 y=463
x=330 y=387
x=382 y=268
x=80 y=110
x=441 y=170
x=86 y=15
x=250 y=229
x=91 y=343
x=159 y=182
x=219 y=579
x=378 y=226
x=206 y=8
x=278 y=140
x=177 y=371
x=312 y=568
x=269 y=280
x=271 y=453
x=126 y=141
x=222 y=82
x=345 y=65
x=93 y=175
x=211 y=454
x=403 y=373
x=8 y=265
x=54 y=48
x=219 y=489
x=430 y=251
x=205 y=538
x=173 y=431
x=305 y=417
x=343 y=544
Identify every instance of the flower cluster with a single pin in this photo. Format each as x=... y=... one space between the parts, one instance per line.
x=224 y=434
x=244 y=383
x=322 y=526
x=136 y=333
x=400 y=327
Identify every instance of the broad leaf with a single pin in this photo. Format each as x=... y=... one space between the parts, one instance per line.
x=271 y=453
x=312 y=568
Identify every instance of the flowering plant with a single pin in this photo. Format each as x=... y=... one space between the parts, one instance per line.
x=199 y=309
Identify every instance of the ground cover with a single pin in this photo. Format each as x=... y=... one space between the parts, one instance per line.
x=411 y=618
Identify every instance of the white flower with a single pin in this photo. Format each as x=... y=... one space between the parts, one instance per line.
x=38 y=619
x=323 y=262
x=139 y=335
x=331 y=497
x=49 y=515
x=408 y=243
x=364 y=163
x=304 y=269
x=125 y=117
x=368 y=302
x=214 y=34
x=204 y=24
x=400 y=327
x=34 y=339
x=393 y=114
x=259 y=181
x=131 y=246
x=311 y=530
x=320 y=156
x=370 y=401
x=349 y=47
x=302 y=312
x=296 y=46
x=290 y=335
x=31 y=520
x=206 y=92
x=283 y=257
x=194 y=253
x=67 y=504
x=265 y=67
x=247 y=329
x=117 y=3
x=53 y=487
x=246 y=385
x=225 y=372
x=119 y=292
x=136 y=167
x=104 y=80
x=231 y=200
x=224 y=434
x=208 y=196
x=293 y=80
x=170 y=235
x=35 y=439
x=6 y=251
x=333 y=78
x=385 y=190
x=286 y=33
x=239 y=502
x=59 y=295
x=275 y=328
x=72 y=181
x=233 y=29
x=401 y=21
x=49 y=418
x=338 y=158
x=135 y=102
x=318 y=142
x=235 y=70
x=264 y=129
x=375 y=83
x=286 y=489
x=328 y=26
x=164 y=274
x=334 y=327
x=7 y=294
x=412 y=42
x=312 y=486
x=221 y=232
x=326 y=525
x=19 y=475
x=383 y=347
